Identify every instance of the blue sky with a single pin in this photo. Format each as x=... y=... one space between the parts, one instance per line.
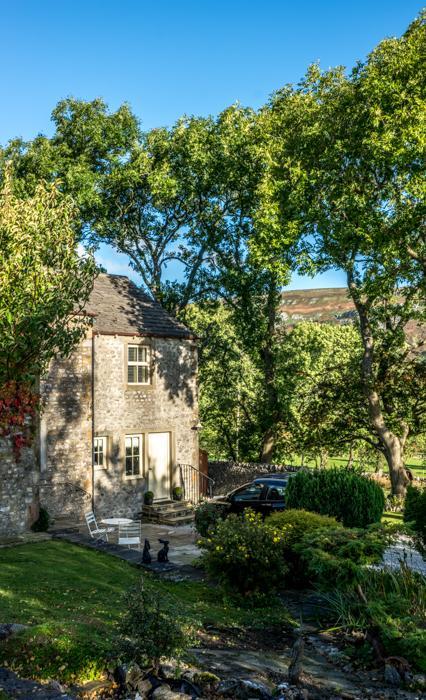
x=169 y=57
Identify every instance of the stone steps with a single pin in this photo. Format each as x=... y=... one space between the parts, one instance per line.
x=169 y=513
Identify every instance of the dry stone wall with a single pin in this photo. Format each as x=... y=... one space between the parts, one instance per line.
x=229 y=475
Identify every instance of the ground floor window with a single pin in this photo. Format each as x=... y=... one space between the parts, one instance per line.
x=134 y=455
x=99 y=452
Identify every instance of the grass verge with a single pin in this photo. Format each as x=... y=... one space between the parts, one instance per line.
x=72 y=599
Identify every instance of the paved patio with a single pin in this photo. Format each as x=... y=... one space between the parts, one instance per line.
x=183 y=550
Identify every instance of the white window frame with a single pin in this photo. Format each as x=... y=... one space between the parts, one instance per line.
x=100 y=440
x=141 y=438
x=139 y=363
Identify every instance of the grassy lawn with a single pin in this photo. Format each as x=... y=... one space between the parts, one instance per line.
x=72 y=599
x=416 y=464
x=392 y=518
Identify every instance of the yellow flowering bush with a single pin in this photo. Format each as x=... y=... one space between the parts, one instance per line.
x=245 y=555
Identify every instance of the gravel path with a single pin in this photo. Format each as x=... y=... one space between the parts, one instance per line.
x=403 y=550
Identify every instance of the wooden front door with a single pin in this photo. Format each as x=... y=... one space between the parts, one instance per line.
x=159 y=462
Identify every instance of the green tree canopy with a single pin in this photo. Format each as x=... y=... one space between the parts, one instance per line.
x=44 y=281
x=353 y=148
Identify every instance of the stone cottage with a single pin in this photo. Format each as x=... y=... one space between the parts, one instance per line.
x=118 y=416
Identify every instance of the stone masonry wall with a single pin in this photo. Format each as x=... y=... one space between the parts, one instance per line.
x=66 y=434
x=18 y=490
x=168 y=404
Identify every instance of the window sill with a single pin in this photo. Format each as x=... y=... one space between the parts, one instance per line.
x=139 y=387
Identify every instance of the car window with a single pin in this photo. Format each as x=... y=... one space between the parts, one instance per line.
x=276 y=492
x=249 y=493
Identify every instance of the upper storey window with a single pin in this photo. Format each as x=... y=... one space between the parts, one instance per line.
x=138 y=364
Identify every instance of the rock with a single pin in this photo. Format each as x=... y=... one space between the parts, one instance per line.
x=243 y=689
x=133 y=676
x=418 y=681
x=204 y=680
x=9 y=628
x=169 y=671
x=55 y=685
x=143 y=687
x=392 y=676
x=95 y=689
x=166 y=693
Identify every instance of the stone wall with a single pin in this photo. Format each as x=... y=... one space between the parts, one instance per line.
x=18 y=489
x=168 y=404
x=229 y=475
x=66 y=434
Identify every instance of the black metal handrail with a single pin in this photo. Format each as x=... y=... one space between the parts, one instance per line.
x=195 y=484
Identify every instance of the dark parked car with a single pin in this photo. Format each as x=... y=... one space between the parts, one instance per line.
x=265 y=495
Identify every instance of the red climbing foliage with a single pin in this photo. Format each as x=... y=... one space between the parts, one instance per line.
x=18 y=406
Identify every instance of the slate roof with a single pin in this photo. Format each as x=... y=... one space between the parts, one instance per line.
x=119 y=307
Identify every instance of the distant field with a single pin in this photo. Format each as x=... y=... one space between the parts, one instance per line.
x=416 y=464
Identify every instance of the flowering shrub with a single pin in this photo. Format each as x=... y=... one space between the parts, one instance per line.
x=245 y=554
x=18 y=405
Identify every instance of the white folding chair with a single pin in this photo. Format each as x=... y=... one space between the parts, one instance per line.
x=130 y=535
x=97 y=533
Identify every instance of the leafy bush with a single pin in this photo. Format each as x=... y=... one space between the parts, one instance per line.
x=294 y=525
x=298 y=523
x=394 y=604
x=338 y=557
x=355 y=500
x=43 y=521
x=149 y=629
x=245 y=554
x=207 y=515
x=415 y=511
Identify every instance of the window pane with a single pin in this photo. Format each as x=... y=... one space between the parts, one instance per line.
x=132 y=353
x=100 y=459
x=136 y=465
x=142 y=354
x=143 y=375
x=251 y=493
x=128 y=466
x=131 y=374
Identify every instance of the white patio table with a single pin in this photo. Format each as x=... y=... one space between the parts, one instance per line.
x=115 y=522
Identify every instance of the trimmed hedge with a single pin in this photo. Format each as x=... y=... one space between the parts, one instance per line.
x=355 y=500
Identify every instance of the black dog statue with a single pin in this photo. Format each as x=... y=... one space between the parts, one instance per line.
x=146 y=557
x=162 y=554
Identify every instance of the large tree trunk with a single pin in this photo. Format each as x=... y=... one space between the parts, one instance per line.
x=269 y=374
x=392 y=446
